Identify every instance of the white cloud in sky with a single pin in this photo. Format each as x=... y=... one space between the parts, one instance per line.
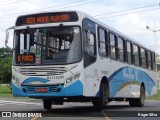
x=133 y=25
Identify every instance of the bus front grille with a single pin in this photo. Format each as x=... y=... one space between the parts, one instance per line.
x=42 y=71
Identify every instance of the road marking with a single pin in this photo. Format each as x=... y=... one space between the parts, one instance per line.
x=2 y=102
x=105 y=115
x=34 y=118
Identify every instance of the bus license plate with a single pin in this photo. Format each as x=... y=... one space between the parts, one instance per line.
x=41 y=89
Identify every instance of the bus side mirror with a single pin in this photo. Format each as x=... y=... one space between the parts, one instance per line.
x=7 y=37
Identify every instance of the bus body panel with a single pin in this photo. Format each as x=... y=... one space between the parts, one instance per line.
x=26 y=85
x=75 y=89
x=124 y=80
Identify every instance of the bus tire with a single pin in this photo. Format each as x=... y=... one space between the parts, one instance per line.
x=47 y=104
x=138 y=102
x=102 y=100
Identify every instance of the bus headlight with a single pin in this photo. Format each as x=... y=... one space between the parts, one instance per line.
x=76 y=76
x=16 y=80
x=71 y=79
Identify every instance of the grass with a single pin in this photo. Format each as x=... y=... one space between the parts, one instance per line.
x=5 y=91
x=155 y=97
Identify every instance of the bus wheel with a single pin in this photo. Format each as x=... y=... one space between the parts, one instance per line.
x=138 y=102
x=102 y=100
x=47 y=104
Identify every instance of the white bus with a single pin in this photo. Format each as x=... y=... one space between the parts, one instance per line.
x=69 y=56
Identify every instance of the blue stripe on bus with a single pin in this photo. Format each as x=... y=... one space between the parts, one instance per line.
x=131 y=75
x=34 y=79
x=75 y=89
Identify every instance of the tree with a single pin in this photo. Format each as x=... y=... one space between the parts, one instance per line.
x=5 y=52
x=5 y=65
x=6 y=70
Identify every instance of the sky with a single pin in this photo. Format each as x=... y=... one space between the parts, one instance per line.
x=127 y=16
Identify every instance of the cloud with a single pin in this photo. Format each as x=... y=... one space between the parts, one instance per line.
x=2 y=36
x=133 y=25
x=131 y=22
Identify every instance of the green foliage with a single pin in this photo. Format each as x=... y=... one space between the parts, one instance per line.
x=5 y=91
x=5 y=65
x=5 y=52
x=5 y=70
x=155 y=97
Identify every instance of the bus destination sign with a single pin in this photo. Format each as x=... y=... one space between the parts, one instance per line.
x=47 y=18
x=26 y=58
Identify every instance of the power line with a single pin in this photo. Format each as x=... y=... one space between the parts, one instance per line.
x=83 y=4
x=12 y=15
x=15 y=14
x=39 y=9
x=13 y=2
x=127 y=10
x=129 y=13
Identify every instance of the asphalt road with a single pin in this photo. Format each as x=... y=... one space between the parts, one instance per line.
x=76 y=111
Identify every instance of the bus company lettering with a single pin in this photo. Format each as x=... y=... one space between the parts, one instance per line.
x=128 y=76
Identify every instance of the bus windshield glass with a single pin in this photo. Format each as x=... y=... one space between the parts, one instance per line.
x=54 y=45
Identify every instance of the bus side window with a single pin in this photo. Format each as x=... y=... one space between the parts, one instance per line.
x=102 y=42
x=143 y=58
x=153 y=61
x=149 y=59
x=129 y=53
x=112 y=46
x=136 y=55
x=91 y=47
x=146 y=59
x=121 y=48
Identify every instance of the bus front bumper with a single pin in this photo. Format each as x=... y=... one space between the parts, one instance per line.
x=74 y=89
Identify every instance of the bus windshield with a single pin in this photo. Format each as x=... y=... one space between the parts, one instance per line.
x=54 y=45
